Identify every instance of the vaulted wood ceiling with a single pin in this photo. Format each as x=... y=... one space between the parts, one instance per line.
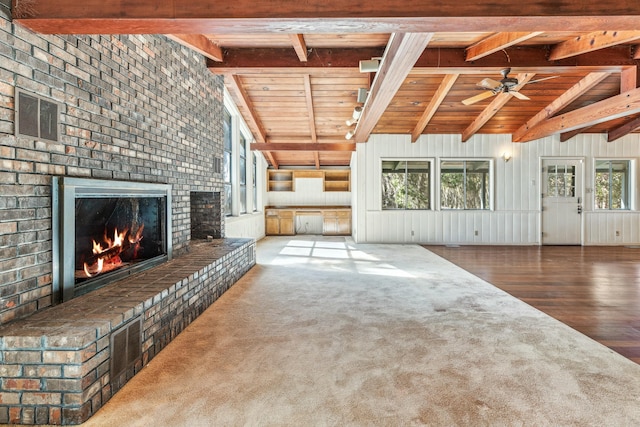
x=293 y=67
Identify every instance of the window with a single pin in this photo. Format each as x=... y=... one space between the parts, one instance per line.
x=228 y=150
x=465 y=184
x=406 y=184
x=561 y=181
x=612 y=184
x=242 y=149
x=254 y=182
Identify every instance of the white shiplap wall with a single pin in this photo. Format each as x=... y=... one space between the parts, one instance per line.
x=515 y=218
x=308 y=192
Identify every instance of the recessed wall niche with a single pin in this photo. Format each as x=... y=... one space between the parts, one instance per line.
x=206 y=215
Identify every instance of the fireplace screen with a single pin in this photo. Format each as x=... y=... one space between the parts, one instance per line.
x=104 y=230
x=116 y=232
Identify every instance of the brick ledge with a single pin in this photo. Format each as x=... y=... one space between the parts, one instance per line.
x=55 y=364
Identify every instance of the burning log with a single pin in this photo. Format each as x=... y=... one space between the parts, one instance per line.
x=121 y=243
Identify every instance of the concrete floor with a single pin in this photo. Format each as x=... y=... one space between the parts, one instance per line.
x=326 y=332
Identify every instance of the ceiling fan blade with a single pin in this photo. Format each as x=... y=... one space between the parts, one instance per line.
x=540 y=80
x=489 y=83
x=519 y=95
x=479 y=97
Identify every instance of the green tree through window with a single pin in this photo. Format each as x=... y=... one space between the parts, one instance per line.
x=612 y=184
x=405 y=184
x=465 y=184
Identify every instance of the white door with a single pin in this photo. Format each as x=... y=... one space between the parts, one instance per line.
x=561 y=201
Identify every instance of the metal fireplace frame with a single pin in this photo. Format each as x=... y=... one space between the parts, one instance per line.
x=65 y=191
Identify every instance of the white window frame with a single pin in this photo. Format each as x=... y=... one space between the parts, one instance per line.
x=241 y=130
x=491 y=197
x=431 y=181
x=632 y=184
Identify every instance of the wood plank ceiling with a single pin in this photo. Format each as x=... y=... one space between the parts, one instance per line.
x=293 y=68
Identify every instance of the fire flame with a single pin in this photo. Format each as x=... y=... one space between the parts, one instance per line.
x=108 y=257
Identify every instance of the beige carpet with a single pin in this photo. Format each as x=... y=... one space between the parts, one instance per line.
x=323 y=332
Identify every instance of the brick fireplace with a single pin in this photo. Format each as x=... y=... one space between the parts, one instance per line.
x=128 y=109
x=104 y=230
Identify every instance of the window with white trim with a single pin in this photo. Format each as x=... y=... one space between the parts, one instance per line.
x=254 y=181
x=227 y=162
x=465 y=184
x=242 y=150
x=406 y=184
x=612 y=184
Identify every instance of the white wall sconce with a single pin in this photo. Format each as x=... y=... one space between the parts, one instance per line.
x=506 y=156
x=357 y=112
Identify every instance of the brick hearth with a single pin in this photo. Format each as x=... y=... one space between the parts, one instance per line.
x=56 y=363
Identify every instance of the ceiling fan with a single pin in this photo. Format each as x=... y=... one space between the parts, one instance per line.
x=506 y=85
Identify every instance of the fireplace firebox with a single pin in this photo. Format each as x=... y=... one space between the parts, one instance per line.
x=106 y=230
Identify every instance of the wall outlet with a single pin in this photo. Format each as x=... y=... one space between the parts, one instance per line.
x=617 y=233
x=413 y=233
x=476 y=232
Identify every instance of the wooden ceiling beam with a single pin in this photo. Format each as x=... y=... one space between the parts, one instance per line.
x=492 y=109
x=319 y=16
x=312 y=120
x=303 y=146
x=591 y=42
x=401 y=53
x=497 y=42
x=310 y=112
x=316 y=159
x=434 y=104
x=200 y=44
x=300 y=46
x=616 y=107
x=529 y=59
x=284 y=60
x=588 y=82
x=624 y=129
x=629 y=79
x=565 y=136
x=234 y=85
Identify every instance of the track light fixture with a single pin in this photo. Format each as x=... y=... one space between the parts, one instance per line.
x=357 y=112
x=370 y=65
x=349 y=135
x=362 y=95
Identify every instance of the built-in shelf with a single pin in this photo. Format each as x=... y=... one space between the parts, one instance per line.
x=333 y=179
x=280 y=180
x=337 y=180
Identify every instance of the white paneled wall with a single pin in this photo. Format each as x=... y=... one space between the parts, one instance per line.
x=515 y=218
x=308 y=192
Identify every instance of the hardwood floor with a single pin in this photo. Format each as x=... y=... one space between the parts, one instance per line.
x=595 y=290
